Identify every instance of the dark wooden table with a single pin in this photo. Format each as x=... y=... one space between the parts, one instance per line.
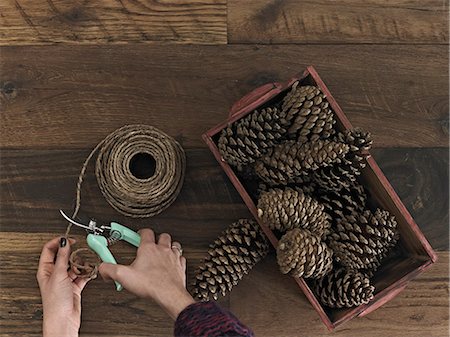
x=73 y=71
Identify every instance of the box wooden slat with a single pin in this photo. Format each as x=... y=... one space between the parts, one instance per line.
x=413 y=253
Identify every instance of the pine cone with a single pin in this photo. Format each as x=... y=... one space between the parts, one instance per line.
x=244 y=141
x=361 y=241
x=343 y=174
x=343 y=289
x=305 y=186
x=359 y=140
x=307 y=112
x=303 y=254
x=349 y=200
x=287 y=162
x=232 y=255
x=289 y=208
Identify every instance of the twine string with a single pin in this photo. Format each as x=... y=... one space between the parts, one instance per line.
x=127 y=194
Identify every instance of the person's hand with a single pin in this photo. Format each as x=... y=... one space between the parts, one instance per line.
x=60 y=290
x=157 y=273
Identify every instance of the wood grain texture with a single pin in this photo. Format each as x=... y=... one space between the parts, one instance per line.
x=37 y=22
x=264 y=299
x=73 y=71
x=271 y=304
x=341 y=21
x=420 y=178
x=73 y=97
x=36 y=183
x=105 y=311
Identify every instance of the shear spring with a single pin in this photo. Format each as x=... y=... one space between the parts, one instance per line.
x=114 y=237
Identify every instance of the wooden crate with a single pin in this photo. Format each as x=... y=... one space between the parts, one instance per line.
x=413 y=253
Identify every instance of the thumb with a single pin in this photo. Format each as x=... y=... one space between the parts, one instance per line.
x=111 y=271
x=62 y=257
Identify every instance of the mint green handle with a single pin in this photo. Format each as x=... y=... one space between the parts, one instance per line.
x=99 y=244
x=126 y=234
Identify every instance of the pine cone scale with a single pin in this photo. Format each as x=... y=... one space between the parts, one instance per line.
x=231 y=256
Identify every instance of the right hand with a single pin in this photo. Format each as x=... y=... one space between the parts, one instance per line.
x=157 y=273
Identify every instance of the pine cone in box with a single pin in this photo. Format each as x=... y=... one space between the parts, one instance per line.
x=245 y=140
x=343 y=289
x=342 y=175
x=304 y=185
x=303 y=254
x=307 y=111
x=361 y=240
x=229 y=258
x=291 y=208
x=348 y=200
x=287 y=162
x=360 y=142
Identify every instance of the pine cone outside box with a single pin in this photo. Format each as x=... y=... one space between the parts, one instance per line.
x=244 y=141
x=232 y=255
x=343 y=289
x=291 y=208
x=307 y=113
x=287 y=162
x=301 y=253
x=361 y=240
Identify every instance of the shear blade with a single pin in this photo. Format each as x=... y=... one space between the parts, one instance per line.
x=74 y=222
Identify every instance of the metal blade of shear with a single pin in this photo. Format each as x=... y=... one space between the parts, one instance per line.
x=74 y=222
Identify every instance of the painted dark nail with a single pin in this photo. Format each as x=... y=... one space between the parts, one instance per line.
x=62 y=242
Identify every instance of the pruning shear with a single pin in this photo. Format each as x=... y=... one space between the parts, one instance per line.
x=100 y=237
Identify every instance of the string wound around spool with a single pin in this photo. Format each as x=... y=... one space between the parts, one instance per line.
x=125 y=189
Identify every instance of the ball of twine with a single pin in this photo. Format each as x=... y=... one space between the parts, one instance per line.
x=126 y=193
x=84 y=263
x=132 y=196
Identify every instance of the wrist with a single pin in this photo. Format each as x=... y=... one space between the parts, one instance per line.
x=58 y=332
x=57 y=327
x=176 y=302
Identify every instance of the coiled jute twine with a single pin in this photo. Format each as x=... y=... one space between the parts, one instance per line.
x=127 y=194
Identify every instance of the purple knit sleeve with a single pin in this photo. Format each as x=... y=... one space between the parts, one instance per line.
x=209 y=319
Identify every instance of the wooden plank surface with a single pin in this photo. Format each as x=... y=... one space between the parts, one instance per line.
x=337 y=22
x=36 y=183
x=72 y=97
x=420 y=310
x=105 y=311
x=386 y=63
x=267 y=301
x=420 y=178
x=37 y=22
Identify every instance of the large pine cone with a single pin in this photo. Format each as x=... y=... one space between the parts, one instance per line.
x=343 y=174
x=232 y=255
x=343 y=289
x=301 y=253
x=287 y=209
x=349 y=200
x=287 y=162
x=361 y=240
x=307 y=112
x=244 y=141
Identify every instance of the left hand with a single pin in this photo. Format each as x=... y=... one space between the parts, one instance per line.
x=60 y=290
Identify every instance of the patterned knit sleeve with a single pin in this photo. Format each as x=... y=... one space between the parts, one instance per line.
x=208 y=319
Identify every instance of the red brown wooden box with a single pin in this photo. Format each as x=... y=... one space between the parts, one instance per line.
x=413 y=253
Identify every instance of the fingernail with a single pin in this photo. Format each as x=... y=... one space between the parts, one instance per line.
x=62 y=242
